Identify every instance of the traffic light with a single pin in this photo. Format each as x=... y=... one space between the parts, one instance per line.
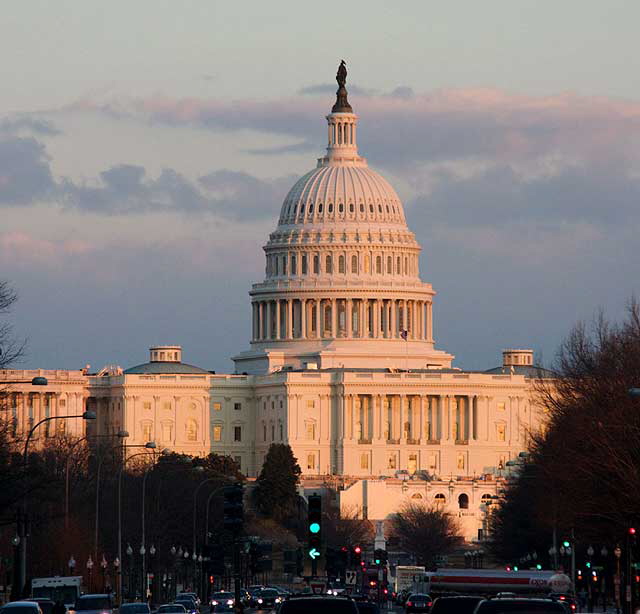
x=588 y=564
x=380 y=557
x=357 y=556
x=539 y=567
x=234 y=508
x=566 y=543
x=314 y=525
x=211 y=579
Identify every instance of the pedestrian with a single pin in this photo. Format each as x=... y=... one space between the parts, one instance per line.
x=58 y=607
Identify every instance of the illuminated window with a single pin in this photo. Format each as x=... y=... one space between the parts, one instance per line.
x=460 y=461
x=217 y=406
x=364 y=461
x=146 y=405
x=440 y=499
x=192 y=430
x=500 y=432
x=433 y=461
x=391 y=461
x=166 y=405
x=311 y=461
x=501 y=406
x=217 y=433
x=146 y=431
x=167 y=431
x=311 y=404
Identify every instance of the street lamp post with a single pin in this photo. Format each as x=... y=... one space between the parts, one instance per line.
x=22 y=524
x=103 y=565
x=90 y=569
x=130 y=555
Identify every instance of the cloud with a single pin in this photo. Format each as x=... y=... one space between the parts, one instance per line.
x=20 y=124
x=25 y=176
x=329 y=89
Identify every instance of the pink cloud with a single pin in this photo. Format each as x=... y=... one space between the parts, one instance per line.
x=24 y=248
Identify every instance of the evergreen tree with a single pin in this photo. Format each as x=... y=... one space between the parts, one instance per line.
x=275 y=494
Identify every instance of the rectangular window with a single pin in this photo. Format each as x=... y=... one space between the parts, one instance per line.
x=311 y=431
x=304 y=264
x=167 y=431
x=62 y=403
x=284 y=265
x=311 y=404
x=501 y=406
x=311 y=461
x=293 y=265
x=166 y=405
x=146 y=432
x=433 y=461
x=316 y=265
x=364 y=461
x=146 y=405
x=217 y=433
x=237 y=406
x=391 y=462
x=237 y=433
x=500 y=432
x=217 y=406
x=460 y=461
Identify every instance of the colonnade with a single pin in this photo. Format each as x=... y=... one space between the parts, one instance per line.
x=349 y=318
x=412 y=419
x=25 y=409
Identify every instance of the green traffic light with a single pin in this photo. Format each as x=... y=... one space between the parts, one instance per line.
x=565 y=543
x=377 y=561
x=589 y=564
x=515 y=568
x=538 y=567
x=314 y=527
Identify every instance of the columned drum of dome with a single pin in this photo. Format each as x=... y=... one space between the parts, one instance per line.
x=342 y=284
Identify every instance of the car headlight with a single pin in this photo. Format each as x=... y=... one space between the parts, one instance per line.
x=278 y=599
x=259 y=599
x=229 y=601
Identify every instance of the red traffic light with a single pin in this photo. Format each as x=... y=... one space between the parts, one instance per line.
x=210 y=579
x=357 y=550
x=632 y=531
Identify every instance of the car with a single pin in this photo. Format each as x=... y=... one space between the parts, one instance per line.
x=418 y=602
x=93 y=604
x=171 y=608
x=221 y=598
x=46 y=605
x=520 y=605
x=189 y=605
x=267 y=599
x=193 y=596
x=318 y=604
x=21 y=607
x=570 y=602
x=134 y=608
x=463 y=604
x=367 y=607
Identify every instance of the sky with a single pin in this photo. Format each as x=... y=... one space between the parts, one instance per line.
x=146 y=148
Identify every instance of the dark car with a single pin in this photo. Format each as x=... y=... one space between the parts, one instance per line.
x=418 y=602
x=316 y=604
x=367 y=607
x=267 y=599
x=520 y=605
x=171 y=608
x=189 y=605
x=21 y=607
x=569 y=601
x=134 y=608
x=455 y=605
x=46 y=605
x=93 y=604
x=218 y=601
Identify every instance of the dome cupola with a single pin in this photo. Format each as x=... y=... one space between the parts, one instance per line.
x=342 y=282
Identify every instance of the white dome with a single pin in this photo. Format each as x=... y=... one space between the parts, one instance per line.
x=334 y=193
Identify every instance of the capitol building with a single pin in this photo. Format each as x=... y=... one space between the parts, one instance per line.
x=342 y=365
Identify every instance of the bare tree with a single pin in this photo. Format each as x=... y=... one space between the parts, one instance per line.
x=10 y=348
x=425 y=532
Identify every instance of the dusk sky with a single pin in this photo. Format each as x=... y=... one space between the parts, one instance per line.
x=146 y=148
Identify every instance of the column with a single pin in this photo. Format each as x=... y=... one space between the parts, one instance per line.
x=414 y=319
x=376 y=319
x=318 y=314
x=268 y=322
x=303 y=318
x=260 y=321
x=430 y=321
x=364 y=404
x=366 y=318
x=473 y=418
x=289 y=319
x=277 y=319
x=403 y=418
x=353 y=418
x=334 y=318
x=394 y=322
x=420 y=433
x=348 y=318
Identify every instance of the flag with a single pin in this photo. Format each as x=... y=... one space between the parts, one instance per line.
x=404 y=334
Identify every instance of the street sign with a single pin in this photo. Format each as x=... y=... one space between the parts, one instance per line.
x=350 y=577
x=318 y=588
x=313 y=553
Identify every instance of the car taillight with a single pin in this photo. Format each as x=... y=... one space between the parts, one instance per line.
x=573 y=606
x=409 y=603
x=429 y=604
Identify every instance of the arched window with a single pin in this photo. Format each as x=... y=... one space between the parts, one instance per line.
x=387 y=208
x=398 y=265
x=294 y=268
x=284 y=264
x=351 y=208
x=327 y=266
x=371 y=208
x=310 y=208
x=367 y=267
x=416 y=495
x=379 y=208
x=463 y=501
x=354 y=263
x=319 y=207
x=304 y=264
x=341 y=264
x=440 y=499
x=191 y=428
x=486 y=499
x=341 y=208
x=277 y=262
x=406 y=266
x=361 y=208
x=378 y=264
x=302 y=210
x=389 y=265
x=316 y=264
x=330 y=208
